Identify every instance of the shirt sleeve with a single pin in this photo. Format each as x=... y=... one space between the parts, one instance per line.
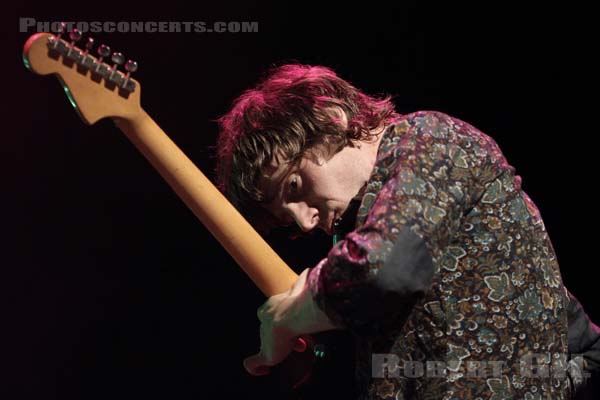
x=584 y=344
x=440 y=167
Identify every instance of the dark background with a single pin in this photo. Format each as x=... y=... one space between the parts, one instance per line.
x=114 y=290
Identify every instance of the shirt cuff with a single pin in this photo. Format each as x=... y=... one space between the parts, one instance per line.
x=313 y=278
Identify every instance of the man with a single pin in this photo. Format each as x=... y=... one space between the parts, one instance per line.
x=449 y=280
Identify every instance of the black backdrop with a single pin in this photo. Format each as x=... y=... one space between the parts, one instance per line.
x=113 y=288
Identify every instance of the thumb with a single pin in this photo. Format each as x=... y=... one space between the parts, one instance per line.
x=256 y=365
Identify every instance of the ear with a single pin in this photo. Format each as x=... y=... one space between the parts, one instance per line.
x=338 y=115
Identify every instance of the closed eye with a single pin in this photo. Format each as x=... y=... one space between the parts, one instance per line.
x=294 y=187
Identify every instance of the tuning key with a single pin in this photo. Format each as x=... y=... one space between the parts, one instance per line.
x=117 y=59
x=88 y=46
x=59 y=33
x=103 y=51
x=75 y=36
x=130 y=66
x=85 y=60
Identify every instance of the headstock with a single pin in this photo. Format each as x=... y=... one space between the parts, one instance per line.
x=95 y=88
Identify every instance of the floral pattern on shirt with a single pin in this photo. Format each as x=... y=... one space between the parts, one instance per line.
x=496 y=295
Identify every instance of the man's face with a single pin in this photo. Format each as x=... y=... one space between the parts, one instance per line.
x=317 y=190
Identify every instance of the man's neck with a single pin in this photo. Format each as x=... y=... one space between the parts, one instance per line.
x=371 y=147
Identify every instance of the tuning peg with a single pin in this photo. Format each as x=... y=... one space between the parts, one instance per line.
x=130 y=66
x=103 y=51
x=85 y=60
x=88 y=46
x=59 y=33
x=75 y=36
x=117 y=59
x=61 y=30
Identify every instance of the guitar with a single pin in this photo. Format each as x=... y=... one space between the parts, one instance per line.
x=98 y=90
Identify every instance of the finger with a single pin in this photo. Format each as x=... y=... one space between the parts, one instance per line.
x=256 y=365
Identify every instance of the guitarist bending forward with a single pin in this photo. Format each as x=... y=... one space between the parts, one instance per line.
x=449 y=280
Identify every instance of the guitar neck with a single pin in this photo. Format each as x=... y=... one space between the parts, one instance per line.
x=266 y=269
x=93 y=101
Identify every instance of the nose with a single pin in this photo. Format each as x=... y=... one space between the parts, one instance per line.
x=305 y=216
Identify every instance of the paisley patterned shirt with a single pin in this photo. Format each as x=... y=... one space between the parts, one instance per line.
x=449 y=280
